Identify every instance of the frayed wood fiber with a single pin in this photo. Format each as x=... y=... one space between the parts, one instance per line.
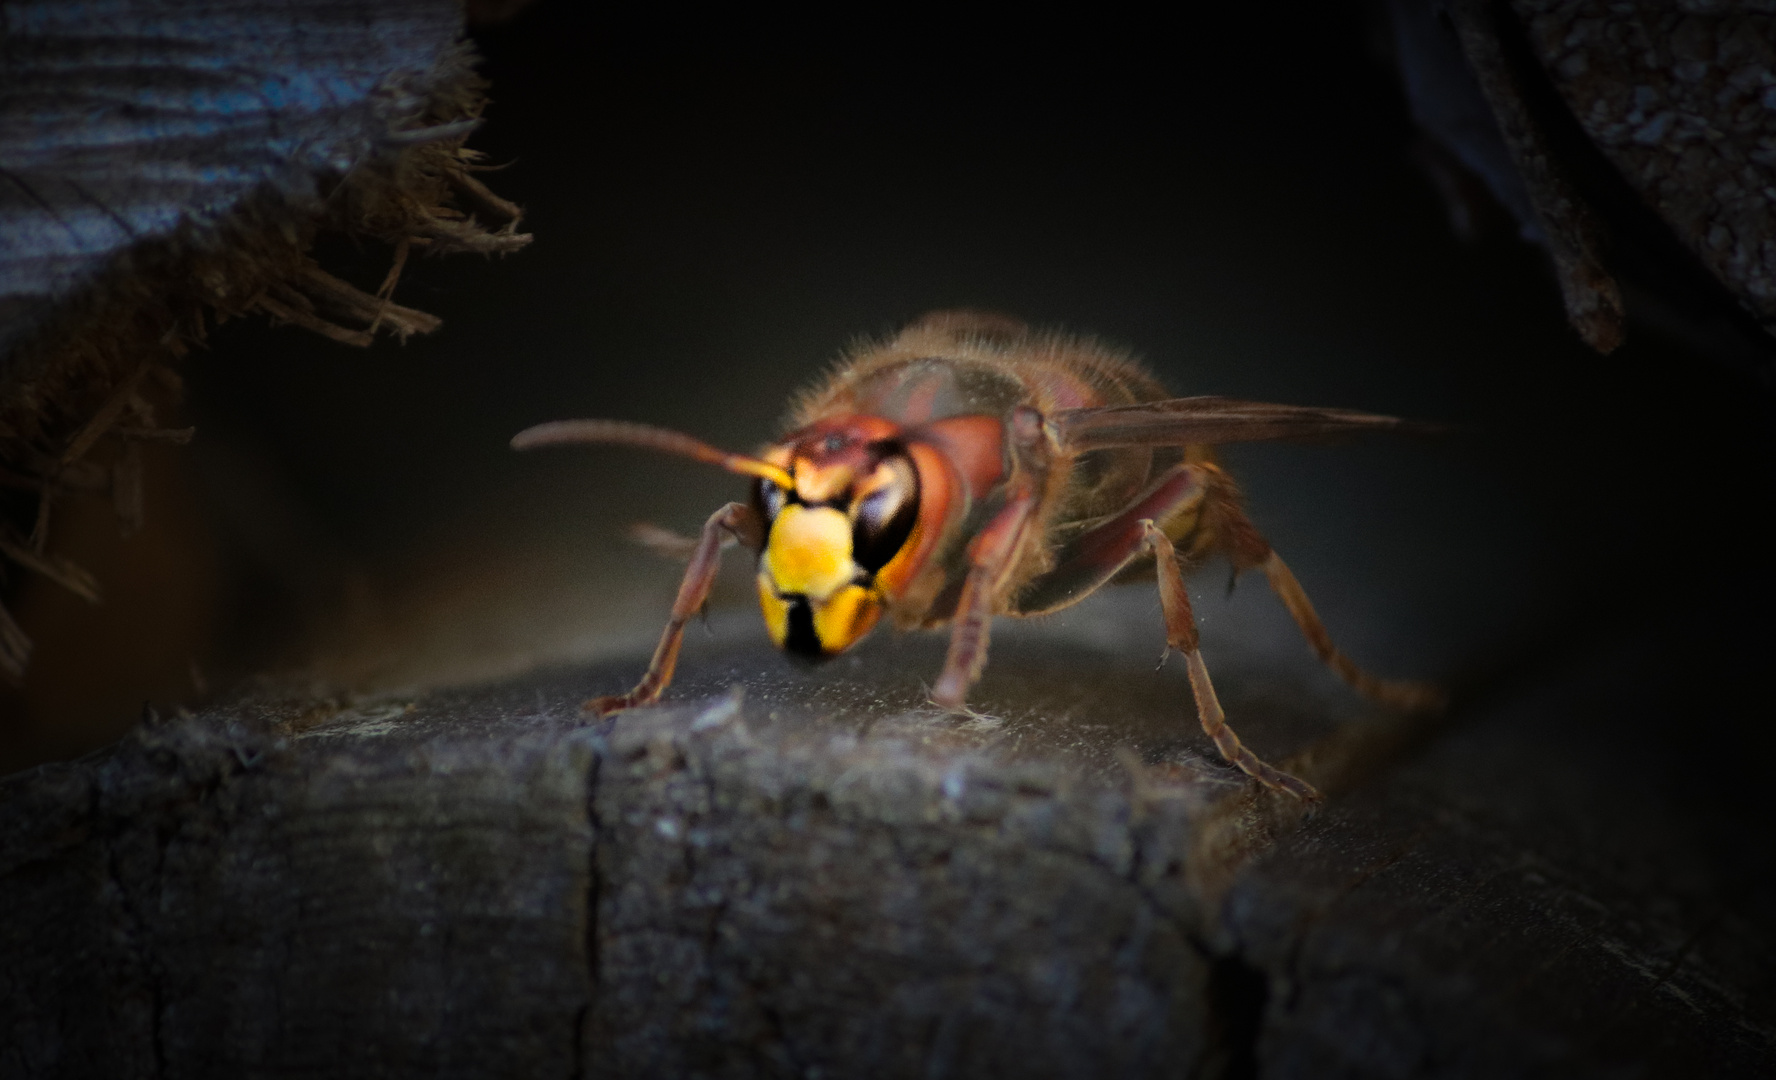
x=165 y=164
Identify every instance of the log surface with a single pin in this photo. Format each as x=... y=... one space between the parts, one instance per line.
x=820 y=876
x=135 y=124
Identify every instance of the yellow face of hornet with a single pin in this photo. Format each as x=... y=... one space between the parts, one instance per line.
x=828 y=540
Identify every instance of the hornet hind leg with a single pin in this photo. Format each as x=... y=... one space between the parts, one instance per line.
x=1181 y=635
x=1094 y=558
x=1249 y=550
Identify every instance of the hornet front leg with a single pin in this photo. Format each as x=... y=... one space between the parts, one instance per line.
x=990 y=558
x=736 y=519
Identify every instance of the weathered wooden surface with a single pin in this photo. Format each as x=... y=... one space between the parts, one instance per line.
x=704 y=892
x=167 y=165
x=1630 y=139
x=824 y=877
x=141 y=123
x=205 y=903
x=1556 y=888
x=1678 y=97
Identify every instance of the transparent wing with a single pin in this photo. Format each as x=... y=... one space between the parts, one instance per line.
x=1206 y=420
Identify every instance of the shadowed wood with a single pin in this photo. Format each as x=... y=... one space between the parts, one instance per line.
x=165 y=165
x=128 y=123
x=825 y=873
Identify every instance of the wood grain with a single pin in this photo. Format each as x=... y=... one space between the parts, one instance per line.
x=786 y=883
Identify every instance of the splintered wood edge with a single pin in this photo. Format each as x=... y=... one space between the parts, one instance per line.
x=75 y=379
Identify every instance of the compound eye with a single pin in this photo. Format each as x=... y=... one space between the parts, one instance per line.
x=768 y=498
x=882 y=516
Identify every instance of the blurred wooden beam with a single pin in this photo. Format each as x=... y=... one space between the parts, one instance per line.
x=164 y=163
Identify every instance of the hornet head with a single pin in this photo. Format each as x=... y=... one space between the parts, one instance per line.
x=850 y=505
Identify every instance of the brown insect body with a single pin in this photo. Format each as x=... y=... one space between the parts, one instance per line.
x=959 y=364
x=969 y=468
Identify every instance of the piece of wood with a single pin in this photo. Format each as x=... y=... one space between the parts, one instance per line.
x=1568 y=225
x=150 y=123
x=1678 y=98
x=1629 y=139
x=495 y=894
x=825 y=876
x=166 y=163
x=1553 y=889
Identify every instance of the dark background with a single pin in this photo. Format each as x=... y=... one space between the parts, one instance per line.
x=718 y=209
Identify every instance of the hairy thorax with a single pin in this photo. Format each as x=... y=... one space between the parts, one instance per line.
x=962 y=364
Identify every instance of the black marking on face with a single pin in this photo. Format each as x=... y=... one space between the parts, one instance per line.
x=801 y=640
x=883 y=519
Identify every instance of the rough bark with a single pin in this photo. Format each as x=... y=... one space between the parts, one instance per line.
x=837 y=883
